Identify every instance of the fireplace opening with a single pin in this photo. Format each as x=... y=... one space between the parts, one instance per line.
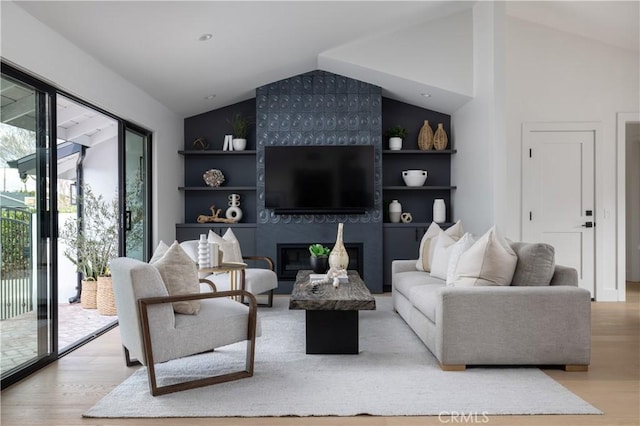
x=294 y=257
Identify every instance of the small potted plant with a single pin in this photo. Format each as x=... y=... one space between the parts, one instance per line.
x=395 y=135
x=319 y=258
x=240 y=125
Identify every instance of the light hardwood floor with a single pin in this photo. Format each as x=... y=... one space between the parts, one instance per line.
x=60 y=393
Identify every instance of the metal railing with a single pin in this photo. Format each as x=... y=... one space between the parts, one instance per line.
x=16 y=283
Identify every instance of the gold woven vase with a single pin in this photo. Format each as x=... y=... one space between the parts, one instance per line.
x=425 y=137
x=440 y=139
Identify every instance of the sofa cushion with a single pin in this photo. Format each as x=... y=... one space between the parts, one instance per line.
x=536 y=264
x=405 y=281
x=462 y=245
x=180 y=275
x=489 y=261
x=428 y=243
x=441 y=255
x=425 y=298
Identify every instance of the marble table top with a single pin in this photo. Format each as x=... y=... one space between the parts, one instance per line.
x=351 y=296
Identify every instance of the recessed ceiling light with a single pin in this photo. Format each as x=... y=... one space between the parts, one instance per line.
x=209 y=97
x=426 y=95
x=205 y=37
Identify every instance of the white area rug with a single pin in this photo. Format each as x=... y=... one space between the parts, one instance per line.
x=394 y=375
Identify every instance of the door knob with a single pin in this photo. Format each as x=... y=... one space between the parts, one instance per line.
x=588 y=225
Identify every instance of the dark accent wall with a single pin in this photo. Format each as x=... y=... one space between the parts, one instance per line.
x=321 y=108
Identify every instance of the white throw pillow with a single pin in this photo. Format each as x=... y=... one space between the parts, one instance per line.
x=160 y=251
x=462 y=245
x=229 y=245
x=180 y=276
x=428 y=243
x=441 y=255
x=490 y=261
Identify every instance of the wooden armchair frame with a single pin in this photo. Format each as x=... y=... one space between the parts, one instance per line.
x=270 y=263
x=143 y=305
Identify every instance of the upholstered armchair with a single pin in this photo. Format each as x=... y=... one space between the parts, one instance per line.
x=259 y=277
x=152 y=332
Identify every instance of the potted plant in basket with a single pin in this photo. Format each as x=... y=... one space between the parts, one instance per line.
x=92 y=241
x=395 y=135
x=240 y=125
x=319 y=258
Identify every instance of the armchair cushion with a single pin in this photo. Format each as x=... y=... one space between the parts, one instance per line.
x=180 y=275
x=229 y=245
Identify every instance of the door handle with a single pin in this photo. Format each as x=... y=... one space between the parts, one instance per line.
x=588 y=225
x=128 y=225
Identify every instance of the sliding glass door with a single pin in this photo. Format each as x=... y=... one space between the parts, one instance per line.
x=27 y=296
x=136 y=199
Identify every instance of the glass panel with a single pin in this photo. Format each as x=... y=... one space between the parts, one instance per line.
x=25 y=296
x=136 y=218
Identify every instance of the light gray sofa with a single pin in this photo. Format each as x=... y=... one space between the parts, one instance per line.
x=527 y=323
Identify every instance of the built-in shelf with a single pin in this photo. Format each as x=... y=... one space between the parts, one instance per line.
x=215 y=224
x=217 y=152
x=414 y=225
x=418 y=188
x=418 y=151
x=217 y=188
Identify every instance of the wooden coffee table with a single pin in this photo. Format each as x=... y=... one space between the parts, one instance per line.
x=331 y=312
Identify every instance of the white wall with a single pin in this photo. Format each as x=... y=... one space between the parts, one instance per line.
x=477 y=127
x=554 y=76
x=633 y=202
x=35 y=48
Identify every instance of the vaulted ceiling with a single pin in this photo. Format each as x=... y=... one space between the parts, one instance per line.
x=156 y=44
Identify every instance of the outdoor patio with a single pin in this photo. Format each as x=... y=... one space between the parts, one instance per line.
x=18 y=341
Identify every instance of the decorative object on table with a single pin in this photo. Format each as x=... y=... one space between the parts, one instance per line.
x=414 y=177
x=395 y=210
x=440 y=139
x=204 y=257
x=439 y=211
x=200 y=144
x=333 y=276
x=406 y=217
x=228 y=143
x=319 y=259
x=396 y=134
x=425 y=137
x=339 y=258
x=234 y=212
x=213 y=177
x=215 y=255
x=240 y=125
x=215 y=217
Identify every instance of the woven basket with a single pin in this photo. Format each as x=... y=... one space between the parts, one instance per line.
x=440 y=139
x=425 y=137
x=105 y=299
x=88 y=294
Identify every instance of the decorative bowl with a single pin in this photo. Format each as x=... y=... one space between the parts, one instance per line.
x=414 y=177
x=213 y=177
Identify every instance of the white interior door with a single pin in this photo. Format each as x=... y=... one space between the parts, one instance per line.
x=558 y=195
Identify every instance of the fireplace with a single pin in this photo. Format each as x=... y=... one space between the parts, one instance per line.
x=294 y=257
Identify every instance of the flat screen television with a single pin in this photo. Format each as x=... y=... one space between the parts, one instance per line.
x=319 y=179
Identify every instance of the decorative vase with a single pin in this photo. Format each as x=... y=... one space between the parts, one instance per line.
x=395 y=210
x=425 y=137
x=204 y=257
x=239 y=144
x=234 y=212
x=439 y=211
x=319 y=264
x=339 y=259
x=440 y=138
x=395 y=144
